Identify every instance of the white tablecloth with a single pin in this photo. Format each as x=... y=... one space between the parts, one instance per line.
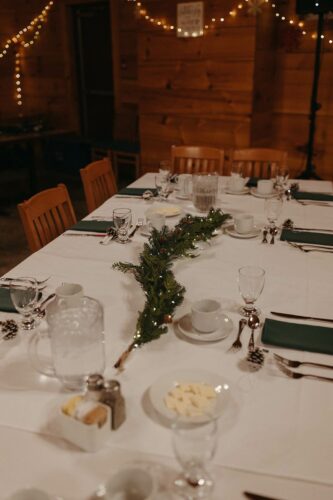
x=274 y=426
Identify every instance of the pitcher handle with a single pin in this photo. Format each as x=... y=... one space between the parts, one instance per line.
x=41 y=366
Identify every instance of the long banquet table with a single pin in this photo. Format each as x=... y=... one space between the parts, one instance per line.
x=275 y=437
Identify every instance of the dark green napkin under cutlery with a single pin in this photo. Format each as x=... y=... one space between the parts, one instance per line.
x=307 y=237
x=94 y=226
x=136 y=191
x=252 y=182
x=298 y=336
x=303 y=195
x=6 y=303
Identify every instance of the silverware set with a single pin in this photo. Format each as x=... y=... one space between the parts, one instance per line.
x=311 y=247
x=298 y=375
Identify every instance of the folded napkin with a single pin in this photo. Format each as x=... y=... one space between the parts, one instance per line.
x=252 y=182
x=307 y=237
x=303 y=195
x=95 y=226
x=136 y=191
x=6 y=303
x=297 y=336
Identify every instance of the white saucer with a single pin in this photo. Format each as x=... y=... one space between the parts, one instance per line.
x=182 y=196
x=253 y=234
x=245 y=190
x=186 y=328
x=255 y=193
x=166 y=209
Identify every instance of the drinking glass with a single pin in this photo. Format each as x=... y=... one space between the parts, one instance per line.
x=24 y=294
x=194 y=446
x=122 y=219
x=76 y=334
x=251 y=280
x=237 y=168
x=204 y=191
x=165 y=168
x=273 y=209
x=162 y=183
x=282 y=175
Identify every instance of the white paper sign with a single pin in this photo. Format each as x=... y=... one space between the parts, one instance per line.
x=190 y=19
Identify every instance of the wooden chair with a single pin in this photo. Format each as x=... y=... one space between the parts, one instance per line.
x=99 y=183
x=258 y=162
x=46 y=215
x=194 y=159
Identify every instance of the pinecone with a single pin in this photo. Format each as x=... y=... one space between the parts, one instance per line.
x=256 y=358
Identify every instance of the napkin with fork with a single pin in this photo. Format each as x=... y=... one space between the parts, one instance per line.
x=6 y=303
x=303 y=195
x=307 y=237
x=94 y=226
x=298 y=336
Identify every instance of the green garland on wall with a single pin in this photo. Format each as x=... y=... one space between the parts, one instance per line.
x=163 y=292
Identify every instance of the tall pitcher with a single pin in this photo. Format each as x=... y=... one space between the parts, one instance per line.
x=205 y=188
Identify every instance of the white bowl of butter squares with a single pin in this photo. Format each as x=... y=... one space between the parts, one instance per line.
x=85 y=423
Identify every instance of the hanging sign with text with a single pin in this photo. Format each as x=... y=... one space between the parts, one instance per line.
x=190 y=19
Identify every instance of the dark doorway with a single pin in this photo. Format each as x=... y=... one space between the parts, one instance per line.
x=93 y=54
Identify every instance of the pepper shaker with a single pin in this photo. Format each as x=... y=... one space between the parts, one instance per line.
x=113 y=398
x=95 y=387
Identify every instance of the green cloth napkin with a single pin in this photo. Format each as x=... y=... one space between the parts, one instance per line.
x=136 y=191
x=307 y=237
x=252 y=182
x=303 y=195
x=95 y=226
x=6 y=303
x=297 y=336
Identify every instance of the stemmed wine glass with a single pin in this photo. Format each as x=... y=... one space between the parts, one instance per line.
x=282 y=175
x=24 y=294
x=162 y=183
x=273 y=209
x=122 y=218
x=251 y=281
x=194 y=447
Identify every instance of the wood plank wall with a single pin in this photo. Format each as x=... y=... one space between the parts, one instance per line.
x=244 y=84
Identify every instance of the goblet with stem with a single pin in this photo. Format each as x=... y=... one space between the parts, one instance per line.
x=282 y=175
x=273 y=209
x=162 y=183
x=251 y=281
x=194 y=446
x=122 y=218
x=24 y=294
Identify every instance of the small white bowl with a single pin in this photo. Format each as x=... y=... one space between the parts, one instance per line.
x=131 y=483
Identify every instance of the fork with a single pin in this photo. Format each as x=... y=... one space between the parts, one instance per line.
x=237 y=344
x=296 y=364
x=39 y=282
x=296 y=375
x=313 y=248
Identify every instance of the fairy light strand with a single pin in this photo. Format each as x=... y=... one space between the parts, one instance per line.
x=218 y=20
x=25 y=38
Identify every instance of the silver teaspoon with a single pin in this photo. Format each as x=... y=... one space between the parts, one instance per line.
x=253 y=323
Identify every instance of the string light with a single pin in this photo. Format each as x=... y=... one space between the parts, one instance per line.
x=143 y=12
x=25 y=38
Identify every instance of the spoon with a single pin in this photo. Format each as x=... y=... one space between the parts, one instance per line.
x=253 y=323
x=264 y=236
x=273 y=231
x=40 y=310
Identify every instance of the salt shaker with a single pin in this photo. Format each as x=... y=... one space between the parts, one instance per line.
x=113 y=398
x=95 y=387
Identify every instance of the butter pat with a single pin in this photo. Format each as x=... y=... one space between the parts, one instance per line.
x=191 y=399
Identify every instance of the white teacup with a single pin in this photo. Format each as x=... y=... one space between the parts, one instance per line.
x=155 y=220
x=69 y=294
x=243 y=223
x=133 y=483
x=265 y=186
x=236 y=183
x=206 y=315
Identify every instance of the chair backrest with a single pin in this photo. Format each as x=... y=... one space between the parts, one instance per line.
x=258 y=162
x=99 y=183
x=193 y=159
x=46 y=215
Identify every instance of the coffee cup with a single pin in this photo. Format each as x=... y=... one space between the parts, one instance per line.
x=243 y=223
x=155 y=220
x=69 y=294
x=265 y=186
x=133 y=483
x=206 y=315
x=236 y=184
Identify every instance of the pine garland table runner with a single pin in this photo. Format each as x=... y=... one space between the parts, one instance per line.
x=163 y=292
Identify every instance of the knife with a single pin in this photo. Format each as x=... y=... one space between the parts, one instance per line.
x=297 y=316
x=254 y=496
x=312 y=229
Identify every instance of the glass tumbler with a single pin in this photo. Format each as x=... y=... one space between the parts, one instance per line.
x=122 y=219
x=204 y=191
